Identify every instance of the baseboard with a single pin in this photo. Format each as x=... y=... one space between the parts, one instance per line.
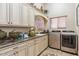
x=64 y=51
x=54 y=48
x=69 y=52
x=42 y=51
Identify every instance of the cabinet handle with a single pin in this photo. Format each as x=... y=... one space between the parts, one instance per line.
x=44 y=38
x=11 y=22
x=8 y=22
x=14 y=53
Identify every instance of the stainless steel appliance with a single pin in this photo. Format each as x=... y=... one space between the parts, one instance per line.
x=54 y=39
x=69 y=42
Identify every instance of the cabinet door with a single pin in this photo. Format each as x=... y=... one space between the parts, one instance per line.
x=31 y=16
x=9 y=53
x=24 y=15
x=37 y=46
x=21 y=51
x=37 y=49
x=44 y=43
x=3 y=13
x=15 y=13
x=41 y=44
x=31 y=50
x=31 y=47
x=41 y=47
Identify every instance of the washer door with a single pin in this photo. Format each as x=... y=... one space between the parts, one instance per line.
x=69 y=43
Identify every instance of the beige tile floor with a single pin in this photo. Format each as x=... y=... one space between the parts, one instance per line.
x=54 y=52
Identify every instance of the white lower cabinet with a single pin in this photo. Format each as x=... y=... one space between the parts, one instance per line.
x=21 y=49
x=37 y=49
x=30 y=48
x=38 y=46
x=41 y=44
x=44 y=43
x=17 y=50
x=9 y=51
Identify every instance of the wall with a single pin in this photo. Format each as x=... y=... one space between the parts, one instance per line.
x=62 y=9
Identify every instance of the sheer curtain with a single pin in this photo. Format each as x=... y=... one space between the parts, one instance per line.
x=58 y=22
x=54 y=23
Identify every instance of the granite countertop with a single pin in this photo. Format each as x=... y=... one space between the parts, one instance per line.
x=3 y=45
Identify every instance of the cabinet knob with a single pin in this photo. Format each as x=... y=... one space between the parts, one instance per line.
x=8 y=22
x=14 y=53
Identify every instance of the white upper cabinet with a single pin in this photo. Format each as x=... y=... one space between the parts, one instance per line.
x=24 y=15
x=31 y=16
x=15 y=13
x=3 y=13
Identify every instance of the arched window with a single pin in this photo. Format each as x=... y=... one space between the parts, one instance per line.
x=39 y=23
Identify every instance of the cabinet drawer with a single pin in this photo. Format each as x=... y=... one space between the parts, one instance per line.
x=4 y=50
x=22 y=44
x=39 y=39
x=31 y=50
